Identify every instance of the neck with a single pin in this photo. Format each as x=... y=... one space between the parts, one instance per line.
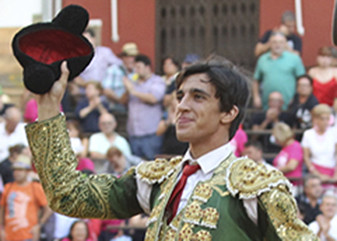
x=320 y=131
x=9 y=131
x=302 y=98
x=146 y=77
x=198 y=149
x=312 y=201
x=110 y=134
x=289 y=142
x=22 y=183
x=274 y=55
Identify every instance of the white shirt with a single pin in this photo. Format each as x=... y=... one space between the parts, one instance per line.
x=332 y=231
x=15 y=138
x=322 y=147
x=208 y=163
x=62 y=225
x=99 y=143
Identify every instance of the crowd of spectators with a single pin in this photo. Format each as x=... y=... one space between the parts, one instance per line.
x=290 y=126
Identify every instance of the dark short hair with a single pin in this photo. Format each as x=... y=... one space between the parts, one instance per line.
x=231 y=84
x=144 y=59
x=306 y=76
x=255 y=144
x=309 y=177
x=16 y=149
x=91 y=32
x=174 y=61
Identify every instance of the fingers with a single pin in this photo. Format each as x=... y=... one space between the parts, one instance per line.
x=64 y=74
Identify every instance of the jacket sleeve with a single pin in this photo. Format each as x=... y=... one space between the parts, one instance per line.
x=281 y=209
x=67 y=190
x=248 y=180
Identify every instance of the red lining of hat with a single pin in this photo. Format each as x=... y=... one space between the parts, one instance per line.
x=50 y=45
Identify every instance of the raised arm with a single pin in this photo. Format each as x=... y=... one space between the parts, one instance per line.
x=67 y=190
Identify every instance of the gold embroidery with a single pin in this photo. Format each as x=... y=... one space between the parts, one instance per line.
x=156 y=171
x=175 y=222
x=193 y=213
x=210 y=217
x=250 y=179
x=68 y=192
x=202 y=235
x=202 y=192
x=186 y=232
x=281 y=209
x=170 y=235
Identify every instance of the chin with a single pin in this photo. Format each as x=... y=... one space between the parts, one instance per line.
x=183 y=136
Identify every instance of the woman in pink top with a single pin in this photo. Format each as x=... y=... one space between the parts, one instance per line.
x=290 y=159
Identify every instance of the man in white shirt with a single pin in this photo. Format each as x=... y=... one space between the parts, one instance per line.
x=99 y=143
x=325 y=225
x=12 y=132
x=209 y=194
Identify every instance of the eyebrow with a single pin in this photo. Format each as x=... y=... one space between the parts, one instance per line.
x=195 y=90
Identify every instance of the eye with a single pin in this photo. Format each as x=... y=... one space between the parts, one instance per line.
x=199 y=97
x=179 y=97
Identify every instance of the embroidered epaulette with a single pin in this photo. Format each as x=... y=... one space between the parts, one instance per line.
x=157 y=171
x=249 y=179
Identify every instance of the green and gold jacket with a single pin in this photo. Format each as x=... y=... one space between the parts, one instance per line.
x=215 y=210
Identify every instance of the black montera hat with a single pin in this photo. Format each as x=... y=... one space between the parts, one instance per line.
x=40 y=48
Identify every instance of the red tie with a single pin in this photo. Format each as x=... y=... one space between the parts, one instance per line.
x=173 y=203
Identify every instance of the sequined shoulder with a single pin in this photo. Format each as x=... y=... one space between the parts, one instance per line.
x=249 y=179
x=157 y=171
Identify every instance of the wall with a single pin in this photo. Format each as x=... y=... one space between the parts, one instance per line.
x=317 y=21
x=136 y=21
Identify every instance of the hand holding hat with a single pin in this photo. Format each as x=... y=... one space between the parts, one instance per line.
x=41 y=48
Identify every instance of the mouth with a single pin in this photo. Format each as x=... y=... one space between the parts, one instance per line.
x=182 y=120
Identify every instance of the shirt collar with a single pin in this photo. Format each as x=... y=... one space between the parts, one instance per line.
x=211 y=160
x=269 y=55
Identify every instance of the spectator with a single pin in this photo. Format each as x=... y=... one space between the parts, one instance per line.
x=325 y=77
x=79 y=231
x=267 y=119
x=113 y=80
x=91 y=107
x=79 y=143
x=12 y=132
x=276 y=70
x=117 y=162
x=302 y=104
x=6 y=170
x=319 y=144
x=308 y=202
x=170 y=69
x=290 y=159
x=167 y=129
x=189 y=60
x=238 y=141
x=325 y=225
x=287 y=27
x=62 y=225
x=99 y=143
x=103 y=58
x=145 y=110
x=31 y=111
x=3 y=106
x=20 y=206
x=253 y=150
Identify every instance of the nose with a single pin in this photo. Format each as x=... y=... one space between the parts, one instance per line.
x=183 y=104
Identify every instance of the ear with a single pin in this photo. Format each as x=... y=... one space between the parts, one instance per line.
x=228 y=117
